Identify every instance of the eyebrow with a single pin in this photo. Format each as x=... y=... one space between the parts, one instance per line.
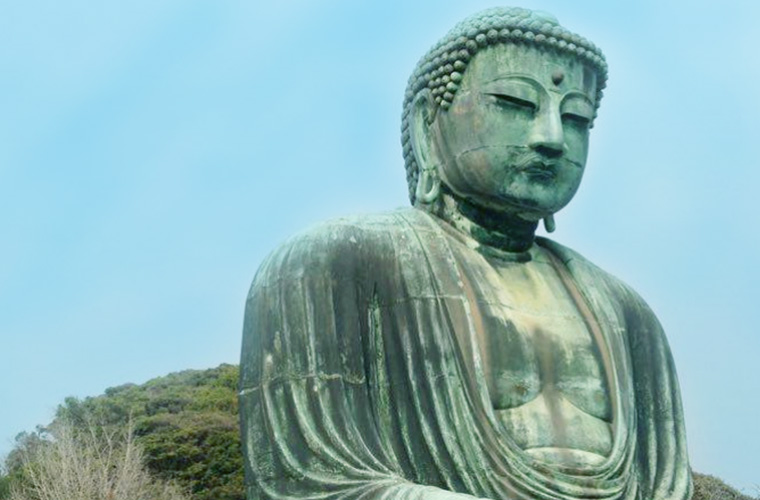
x=518 y=76
x=524 y=77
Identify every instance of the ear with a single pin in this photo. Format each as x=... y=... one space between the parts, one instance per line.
x=421 y=119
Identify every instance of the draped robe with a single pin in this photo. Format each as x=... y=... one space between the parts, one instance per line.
x=361 y=377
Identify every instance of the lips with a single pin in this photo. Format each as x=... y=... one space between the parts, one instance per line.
x=541 y=170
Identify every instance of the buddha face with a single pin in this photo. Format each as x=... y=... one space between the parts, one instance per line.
x=516 y=135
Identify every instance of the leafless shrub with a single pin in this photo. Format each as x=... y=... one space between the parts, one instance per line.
x=90 y=464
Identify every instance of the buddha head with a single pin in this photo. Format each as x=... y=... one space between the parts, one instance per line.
x=498 y=113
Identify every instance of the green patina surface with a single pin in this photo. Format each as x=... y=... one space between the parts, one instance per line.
x=444 y=351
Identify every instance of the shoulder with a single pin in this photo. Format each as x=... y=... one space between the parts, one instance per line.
x=341 y=246
x=576 y=262
x=592 y=276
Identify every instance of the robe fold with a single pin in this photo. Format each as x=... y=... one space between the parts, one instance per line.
x=361 y=377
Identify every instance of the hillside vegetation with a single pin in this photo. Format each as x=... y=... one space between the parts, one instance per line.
x=185 y=423
x=186 y=427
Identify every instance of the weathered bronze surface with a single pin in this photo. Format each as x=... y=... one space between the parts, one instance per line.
x=444 y=351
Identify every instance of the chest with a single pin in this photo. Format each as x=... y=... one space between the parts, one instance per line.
x=534 y=342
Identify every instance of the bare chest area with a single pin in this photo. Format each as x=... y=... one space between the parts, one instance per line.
x=544 y=368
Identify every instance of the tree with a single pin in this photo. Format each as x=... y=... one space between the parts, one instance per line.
x=91 y=463
x=5 y=484
x=185 y=422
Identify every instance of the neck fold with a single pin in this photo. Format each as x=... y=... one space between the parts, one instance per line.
x=498 y=230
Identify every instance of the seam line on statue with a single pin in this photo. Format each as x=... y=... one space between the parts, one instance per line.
x=419 y=297
x=320 y=377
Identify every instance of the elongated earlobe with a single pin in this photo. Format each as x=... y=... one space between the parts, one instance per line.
x=428 y=181
x=428 y=186
x=549 y=224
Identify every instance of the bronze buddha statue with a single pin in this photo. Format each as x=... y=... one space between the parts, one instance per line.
x=444 y=350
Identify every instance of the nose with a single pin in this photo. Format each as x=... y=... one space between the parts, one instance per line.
x=547 y=136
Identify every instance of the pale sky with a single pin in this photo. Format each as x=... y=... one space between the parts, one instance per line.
x=152 y=153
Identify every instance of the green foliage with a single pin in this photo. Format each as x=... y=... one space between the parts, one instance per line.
x=25 y=442
x=185 y=422
x=5 y=486
x=15 y=472
x=708 y=487
x=200 y=450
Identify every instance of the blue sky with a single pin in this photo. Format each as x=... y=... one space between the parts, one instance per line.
x=152 y=153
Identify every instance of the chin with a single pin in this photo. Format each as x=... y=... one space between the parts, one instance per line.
x=534 y=207
x=525 y=209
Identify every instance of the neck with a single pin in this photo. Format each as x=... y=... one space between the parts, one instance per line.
x=500 y=230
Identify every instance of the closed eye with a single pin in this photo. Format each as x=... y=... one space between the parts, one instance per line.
x=513 y=101
x=579 y=120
